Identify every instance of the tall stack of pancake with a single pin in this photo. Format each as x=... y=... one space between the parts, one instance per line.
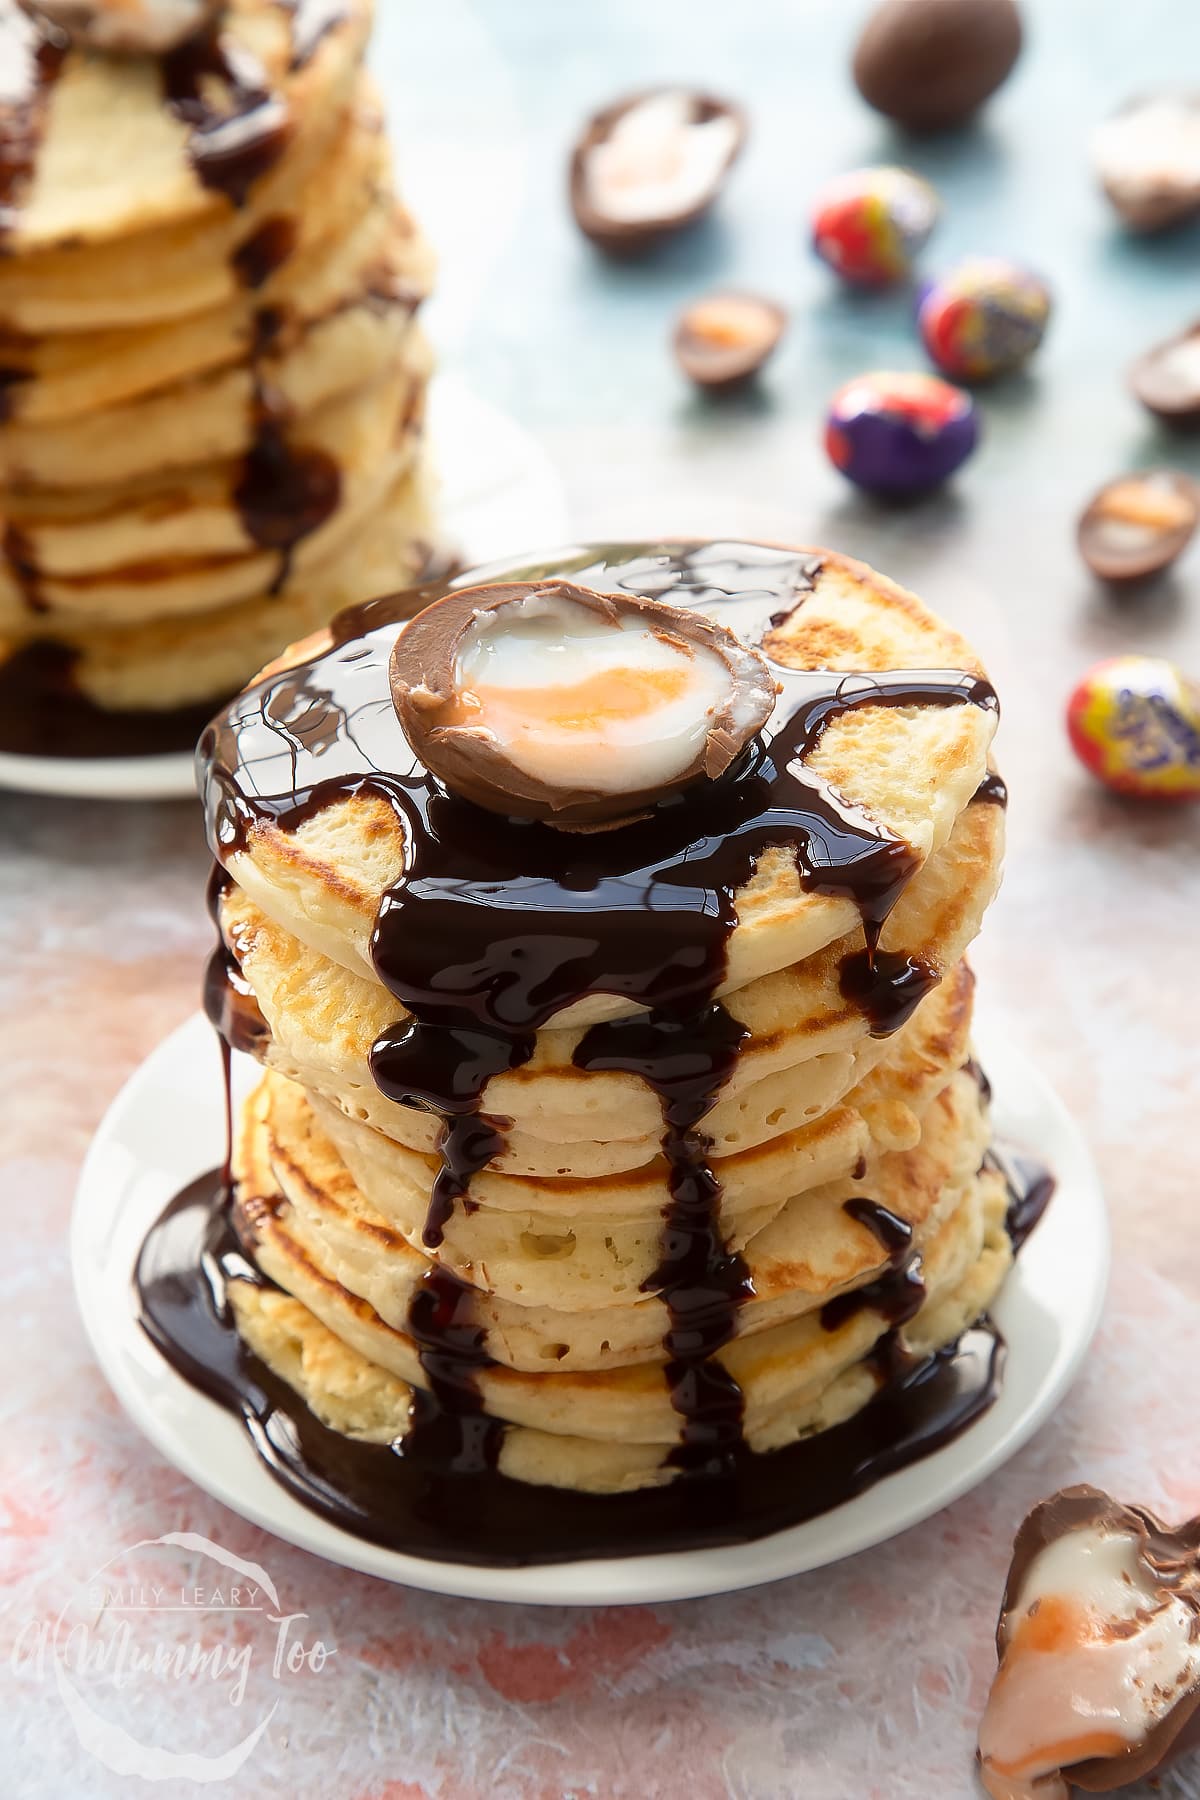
x=622 y=1292
x=211 y=379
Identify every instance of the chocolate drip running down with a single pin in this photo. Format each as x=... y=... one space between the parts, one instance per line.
x=312 y=21
x=992 y=791
x=898 y=1292
x=232 y=1011
x=687 y=1062
x=258 y=256
x=1030 y=1189
x=21 y=558
x=231 y=146
x=11 y=380
x=285 y=491
x=496 y=926
x=406 y=1497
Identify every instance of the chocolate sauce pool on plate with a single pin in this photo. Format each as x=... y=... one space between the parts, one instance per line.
x=407 y=1497
x=496 y=926
x=43 y=713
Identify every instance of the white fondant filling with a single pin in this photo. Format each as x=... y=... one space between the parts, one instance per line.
x=657 y=161
x=580 y=703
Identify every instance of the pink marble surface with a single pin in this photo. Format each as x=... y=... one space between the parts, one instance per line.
x=861 y=1682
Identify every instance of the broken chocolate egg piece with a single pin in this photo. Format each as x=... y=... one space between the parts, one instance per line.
x=725 y=338
x=1099 y=1648
x=650 y=164
x=127 y=27
x=545 y=700
x=1148 y=159
x=1137 y=525
x=1166 y=379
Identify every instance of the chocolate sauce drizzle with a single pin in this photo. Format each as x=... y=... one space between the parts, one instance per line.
x=992 y=791
x=644 y=912
x=32 y=53
x=448 y=1427
x=687 y=1062
x=44 y=713
x=312 y=21
x=11 y=381
x=285 y=491
x=258 y=256
x=17 y=548
x=897 y=1293
x=1030 y=1189
x=496 y=926
x=406 y=1497
x=233 y=146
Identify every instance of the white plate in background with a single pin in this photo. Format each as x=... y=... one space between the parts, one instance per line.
x=498 y=496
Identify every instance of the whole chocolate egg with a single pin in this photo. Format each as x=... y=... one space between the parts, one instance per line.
x=930 y=64
x=1134 y=721
x=898 y=432
x=984 y=318
x=870 y=224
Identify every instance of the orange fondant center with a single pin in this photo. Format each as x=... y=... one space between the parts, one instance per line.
x=581 y=706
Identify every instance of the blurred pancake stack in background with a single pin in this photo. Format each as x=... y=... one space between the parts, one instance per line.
x=212 y=382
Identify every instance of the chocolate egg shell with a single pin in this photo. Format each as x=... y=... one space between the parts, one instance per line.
x=1137 y=525
x=930 y=64
x=983 y=318
x=725 y=338
x=1148 y=159
x=1166 y=379
x=900 y=433
x=630 y=236
x=473 y=763
x=1173 y=1555
x=870 y=225
x=1134 y=721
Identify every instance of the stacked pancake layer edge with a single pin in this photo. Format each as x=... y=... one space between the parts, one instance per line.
x=213 y=376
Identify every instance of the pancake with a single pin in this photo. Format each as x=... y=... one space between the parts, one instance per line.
x=199 y=656
x=323 y=1021
x=102 y=117
x=291 y=1175
x=354 y=344
x=59 y=376
x=797 y=1377
x=601 y=1238
x=911 y=769
x=608 y=1157
x=213 y=389
x=83 y=542
x=177 y=270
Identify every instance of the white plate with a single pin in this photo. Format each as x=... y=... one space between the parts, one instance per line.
x=498 y=495
x=166 y=1127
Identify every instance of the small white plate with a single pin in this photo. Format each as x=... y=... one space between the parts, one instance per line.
x=498 y=495
x=166 y=1127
